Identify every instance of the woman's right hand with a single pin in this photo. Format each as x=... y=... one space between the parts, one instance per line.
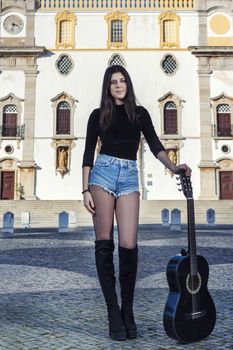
x=88 y=202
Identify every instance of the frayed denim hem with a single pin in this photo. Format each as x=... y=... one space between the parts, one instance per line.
x=113 y=193
x=127 y=193
x=103 y=188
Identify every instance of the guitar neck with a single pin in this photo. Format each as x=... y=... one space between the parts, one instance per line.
x=192 y=236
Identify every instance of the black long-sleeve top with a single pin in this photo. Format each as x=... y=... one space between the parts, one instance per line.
x=121 y=139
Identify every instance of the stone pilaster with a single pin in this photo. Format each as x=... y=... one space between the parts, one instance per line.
x=207 y=165
x=30 y=39
x=202 y=37
x=27 y=180
x=27 y=164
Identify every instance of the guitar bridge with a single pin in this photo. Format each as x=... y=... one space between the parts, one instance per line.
x=195 y=315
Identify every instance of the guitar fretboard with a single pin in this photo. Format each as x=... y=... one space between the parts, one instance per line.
x=192 y=237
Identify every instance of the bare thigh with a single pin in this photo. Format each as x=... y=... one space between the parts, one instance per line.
x=127 y=214
x=104 y=213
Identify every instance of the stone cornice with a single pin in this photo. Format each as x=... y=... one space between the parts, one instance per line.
x=22 y=51
x=211 y=51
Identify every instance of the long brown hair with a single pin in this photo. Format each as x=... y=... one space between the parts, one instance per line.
x=107 y=101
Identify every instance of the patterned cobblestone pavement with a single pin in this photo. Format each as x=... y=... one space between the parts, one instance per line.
x=50 y=297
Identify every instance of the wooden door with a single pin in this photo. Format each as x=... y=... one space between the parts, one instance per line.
x=226 y=185
x=7 y=184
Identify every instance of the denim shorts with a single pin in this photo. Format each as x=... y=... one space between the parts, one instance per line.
x=115 y=175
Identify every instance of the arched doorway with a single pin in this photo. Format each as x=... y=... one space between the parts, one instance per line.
x=8 y=179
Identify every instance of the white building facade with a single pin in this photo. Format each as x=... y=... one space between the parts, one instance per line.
x=53 y=55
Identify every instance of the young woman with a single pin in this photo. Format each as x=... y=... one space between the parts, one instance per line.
x=111 y=185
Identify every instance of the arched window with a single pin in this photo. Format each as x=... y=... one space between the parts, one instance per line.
x=117 y=59
x=170 y=118
x=63 y=116
x=223 y=120
x=65 y=22
x=169 y=30
x=117 y=29
x=9 y=121
x=63 y=119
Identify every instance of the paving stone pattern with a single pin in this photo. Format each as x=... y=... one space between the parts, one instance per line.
x=50 y=297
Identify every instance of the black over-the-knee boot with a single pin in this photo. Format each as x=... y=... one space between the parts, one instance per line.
x=105 y=269
x=128 y=261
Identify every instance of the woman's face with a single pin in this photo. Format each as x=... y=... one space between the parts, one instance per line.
x=118 y=88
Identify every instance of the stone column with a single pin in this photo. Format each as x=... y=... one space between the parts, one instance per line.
x=207 y=165
x=27 y=164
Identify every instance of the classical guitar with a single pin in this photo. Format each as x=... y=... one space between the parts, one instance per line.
x=189 y=313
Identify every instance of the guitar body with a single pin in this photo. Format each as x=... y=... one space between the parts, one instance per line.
x=189 y=313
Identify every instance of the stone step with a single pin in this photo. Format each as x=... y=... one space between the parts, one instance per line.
x=46 y=213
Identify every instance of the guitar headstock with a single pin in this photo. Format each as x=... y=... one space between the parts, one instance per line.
x=186 y=185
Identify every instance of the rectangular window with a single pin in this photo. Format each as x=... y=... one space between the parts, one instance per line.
x=170 y=121
x=169 y=31
x=65 y=34
x=9 y=127
x=116 y=31
x=224 y=124
x=63 y=122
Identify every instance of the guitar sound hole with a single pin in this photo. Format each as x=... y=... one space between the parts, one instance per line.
x=193 y=283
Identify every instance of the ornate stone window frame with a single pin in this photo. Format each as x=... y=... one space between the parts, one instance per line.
x=171 y=97
x=215 y=102
x=63 y=97
x=64 y=141
x=120 y=16
x=65 y=16
x=169 y=16
x=11 y=99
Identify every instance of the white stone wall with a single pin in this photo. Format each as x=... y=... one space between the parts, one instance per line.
x=12 y=82
x=91 y=30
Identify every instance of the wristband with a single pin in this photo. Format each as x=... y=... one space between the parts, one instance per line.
x=85 y=191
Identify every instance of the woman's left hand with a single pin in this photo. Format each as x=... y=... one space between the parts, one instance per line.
x=184 y=167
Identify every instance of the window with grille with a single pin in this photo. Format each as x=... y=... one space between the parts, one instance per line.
x=63 y=119
x=9 y=125
x=64 y=64
x=170 y=118
x=65 y=33
x=223 y=120
x=117 y=60
x=169 y=64
x=169 y=29
x=116 y=31
x=169 y=32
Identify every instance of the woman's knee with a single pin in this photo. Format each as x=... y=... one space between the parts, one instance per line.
x=128 y=244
